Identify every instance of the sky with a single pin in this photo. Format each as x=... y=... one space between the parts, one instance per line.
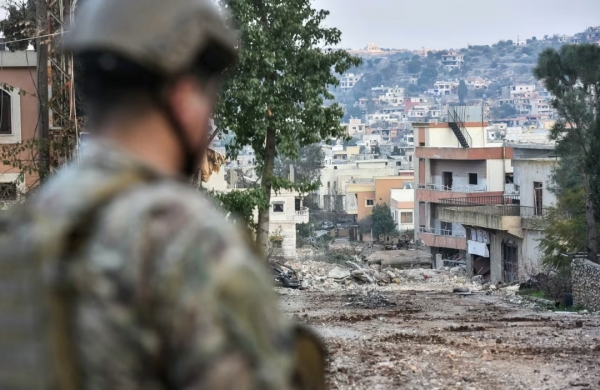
x=445 y=24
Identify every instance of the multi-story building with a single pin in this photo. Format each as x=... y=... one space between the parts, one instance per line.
x=336 y=177
x=286 y=211
x=349 y=80
x=453 y=60
x=354 y=127
x=500 y=229
x=455 y=160
x=444 y=88
x=18 y=119
x=363 y=194
x=402 y=205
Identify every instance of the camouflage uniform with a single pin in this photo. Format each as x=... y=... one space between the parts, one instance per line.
x=167 y=296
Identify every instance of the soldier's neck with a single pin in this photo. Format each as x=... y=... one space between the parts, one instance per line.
x=149 y=139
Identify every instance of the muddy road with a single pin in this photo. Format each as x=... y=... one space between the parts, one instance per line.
x=439 y=340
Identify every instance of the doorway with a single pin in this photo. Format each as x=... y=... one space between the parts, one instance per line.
x=447 y=181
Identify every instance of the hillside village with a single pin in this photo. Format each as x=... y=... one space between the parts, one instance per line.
x=428 y=133
x=408 y=225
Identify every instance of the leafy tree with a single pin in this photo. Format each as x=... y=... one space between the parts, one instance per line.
x=382 y=220
x=19 y=23
x=414 y=65
x=503 y=111
x=564 y=235
x=274 y=99
x=306 y=167
x=572 y=76
x=428 y=75
x=462 y=91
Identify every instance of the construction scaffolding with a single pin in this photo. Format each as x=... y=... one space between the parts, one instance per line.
x=58 y=121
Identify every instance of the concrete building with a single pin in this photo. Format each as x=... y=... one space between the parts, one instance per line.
x=337 y=177
x=454 y=161
x=354 y=127
x=363 y=195
x=402 y=206
x=19 y=116
x=503 y=232
x=349 y=80
x=453 y=60
x=286 y=211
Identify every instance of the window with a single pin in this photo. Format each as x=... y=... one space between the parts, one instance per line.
x=446 y=228
x=473 y=179
x=538 y=189
x=370 y=202
x=406 y=217
x=5 y=113
x=8 y=191
x=278 y=207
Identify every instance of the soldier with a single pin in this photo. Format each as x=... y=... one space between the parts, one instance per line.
x=149 y=288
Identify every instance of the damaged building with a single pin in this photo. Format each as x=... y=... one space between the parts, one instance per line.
x=480 y=201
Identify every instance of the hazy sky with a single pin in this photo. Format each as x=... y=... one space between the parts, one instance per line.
x=444 y=24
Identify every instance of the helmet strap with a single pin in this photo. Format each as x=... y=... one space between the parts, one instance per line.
x=191 y=155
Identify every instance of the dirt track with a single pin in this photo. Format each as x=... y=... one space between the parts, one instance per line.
x=439 y=340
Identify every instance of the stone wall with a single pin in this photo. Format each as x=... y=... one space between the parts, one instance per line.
x=586 y=284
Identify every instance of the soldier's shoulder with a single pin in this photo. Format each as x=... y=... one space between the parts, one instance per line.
x=170 y=212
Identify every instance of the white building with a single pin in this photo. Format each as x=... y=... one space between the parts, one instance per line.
x=355 y=127
x=453 y=60
x=335 y=178
x=349 y=80
x=402 y=206
x=286 y=211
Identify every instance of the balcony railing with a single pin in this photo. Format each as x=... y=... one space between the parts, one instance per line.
x=441 y=232
x=302 y=212
x=440 y=187
x=506 y=210
x=483 y=200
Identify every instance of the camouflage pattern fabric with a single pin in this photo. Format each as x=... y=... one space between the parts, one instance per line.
x=167 y=296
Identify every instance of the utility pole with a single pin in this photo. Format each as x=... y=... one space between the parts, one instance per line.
x=42 y=87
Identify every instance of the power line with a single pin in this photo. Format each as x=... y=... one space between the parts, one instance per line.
x=33 y=38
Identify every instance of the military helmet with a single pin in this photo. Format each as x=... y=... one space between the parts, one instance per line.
x=166 y=37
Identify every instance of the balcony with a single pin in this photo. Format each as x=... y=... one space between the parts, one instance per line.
x=481 y=200
x=441 y=238
x=301 y=216
x=449 y=153
x=465 y=189
x=435 y=193
x=495 y=217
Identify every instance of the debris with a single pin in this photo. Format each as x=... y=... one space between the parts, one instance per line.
x=285 y=276
x=360 y=273
x=338 y=274
x=461 y=290
x=371 y=300
x=478 y=279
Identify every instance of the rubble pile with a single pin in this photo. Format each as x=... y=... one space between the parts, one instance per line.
x=368 y=300
x=351 y=275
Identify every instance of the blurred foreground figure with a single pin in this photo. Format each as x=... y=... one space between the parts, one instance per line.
x=144 y=286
